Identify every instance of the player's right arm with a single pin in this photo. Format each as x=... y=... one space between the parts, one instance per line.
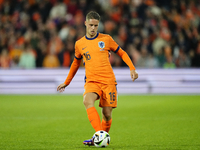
x=73 y=69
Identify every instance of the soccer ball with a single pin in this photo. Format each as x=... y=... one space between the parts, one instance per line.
x=101 y=139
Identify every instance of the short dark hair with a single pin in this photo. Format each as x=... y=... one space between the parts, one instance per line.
x=93 y=15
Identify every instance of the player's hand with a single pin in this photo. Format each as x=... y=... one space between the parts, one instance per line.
x=61 y=87
x=134 y=75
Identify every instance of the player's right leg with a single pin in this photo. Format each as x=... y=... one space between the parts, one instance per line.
x=90 y=96
x=93 y=116
x=89 y=142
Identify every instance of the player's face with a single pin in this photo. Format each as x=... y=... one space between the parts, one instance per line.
x=91 y=27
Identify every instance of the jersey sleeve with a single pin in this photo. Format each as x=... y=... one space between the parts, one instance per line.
x=125 y=58
x=113 y=45
x=77 y=55
x=74 y=66
x=73 y=69
x=116 y=48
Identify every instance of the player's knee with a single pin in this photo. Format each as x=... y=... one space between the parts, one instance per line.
x=107 y=115
x=89 y=99
x=88 y=103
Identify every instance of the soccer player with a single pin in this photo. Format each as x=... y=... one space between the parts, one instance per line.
x=100 y=82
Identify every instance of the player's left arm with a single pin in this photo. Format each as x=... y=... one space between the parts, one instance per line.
x=127 y=60
x=113 y=45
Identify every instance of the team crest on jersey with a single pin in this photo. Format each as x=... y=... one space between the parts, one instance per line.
x=101 y=45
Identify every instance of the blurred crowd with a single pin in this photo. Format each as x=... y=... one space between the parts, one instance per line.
x=155 y=33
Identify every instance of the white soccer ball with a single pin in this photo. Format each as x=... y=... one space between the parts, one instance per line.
x=101 y=139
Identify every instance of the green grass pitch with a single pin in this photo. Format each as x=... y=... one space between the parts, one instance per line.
x=59 y=122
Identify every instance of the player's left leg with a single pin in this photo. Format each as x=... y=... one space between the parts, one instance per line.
x=108 y=101
x=107 y=118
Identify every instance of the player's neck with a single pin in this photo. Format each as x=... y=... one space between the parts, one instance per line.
x=88 y=36
x=91 y=36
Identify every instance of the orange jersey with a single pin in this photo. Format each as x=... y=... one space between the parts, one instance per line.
x=95 y=53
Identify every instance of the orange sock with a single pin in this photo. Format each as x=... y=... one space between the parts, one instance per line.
x=94 y=118
x=106 y=125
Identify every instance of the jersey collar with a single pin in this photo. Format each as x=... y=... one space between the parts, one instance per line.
x=92 y=38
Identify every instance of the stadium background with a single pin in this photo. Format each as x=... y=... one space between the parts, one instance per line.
x=161 y=37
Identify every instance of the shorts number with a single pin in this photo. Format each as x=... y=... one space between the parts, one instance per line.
x=112 y=96
x=87 y=55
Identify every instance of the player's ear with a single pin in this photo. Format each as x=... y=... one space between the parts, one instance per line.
x=85 y=23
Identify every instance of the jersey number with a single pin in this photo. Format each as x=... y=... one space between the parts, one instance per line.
x=87 y=55
x=112 y=96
